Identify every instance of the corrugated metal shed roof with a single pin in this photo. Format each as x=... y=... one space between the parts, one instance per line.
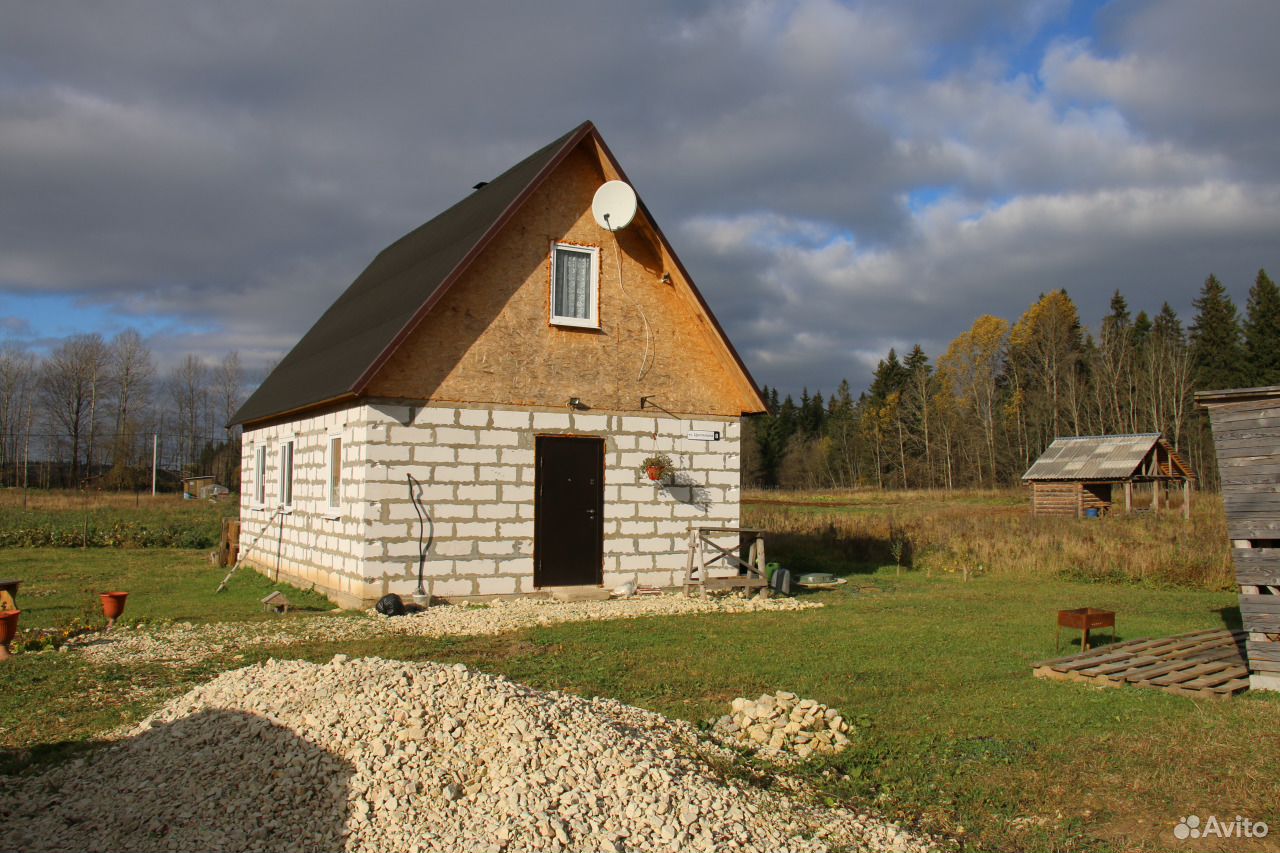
x=1092 y=457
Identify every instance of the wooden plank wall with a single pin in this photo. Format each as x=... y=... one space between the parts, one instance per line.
x=1096 y=496
x=1069 y=498
x=1247 y=439
x=1055 y=498
x=1246 y=436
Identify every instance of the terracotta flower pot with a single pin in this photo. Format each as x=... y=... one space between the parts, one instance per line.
x=654 y=472
x=113 y=606
x=8 y=629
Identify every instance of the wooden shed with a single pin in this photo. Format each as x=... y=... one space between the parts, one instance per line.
x=1079 y=473
x=1246 y=435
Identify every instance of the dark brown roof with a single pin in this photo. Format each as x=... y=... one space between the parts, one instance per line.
x=368 y=319
x=354 y=338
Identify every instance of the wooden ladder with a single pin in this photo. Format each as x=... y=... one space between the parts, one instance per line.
x=245 y=553
x=704 y=553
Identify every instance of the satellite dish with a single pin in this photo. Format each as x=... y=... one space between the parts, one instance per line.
x=614 y=205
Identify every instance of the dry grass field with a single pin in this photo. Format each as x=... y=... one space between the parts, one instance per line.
x=994 y=533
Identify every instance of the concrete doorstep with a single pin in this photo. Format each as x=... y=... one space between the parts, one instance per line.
x=579 y=593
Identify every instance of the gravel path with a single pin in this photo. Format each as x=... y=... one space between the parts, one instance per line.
x=374 y=755
x=184 y=644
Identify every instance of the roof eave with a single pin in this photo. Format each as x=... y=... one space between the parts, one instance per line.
x=254 y=423
x=1237 y=395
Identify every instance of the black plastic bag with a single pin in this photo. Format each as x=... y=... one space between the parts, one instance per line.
x=390 y=605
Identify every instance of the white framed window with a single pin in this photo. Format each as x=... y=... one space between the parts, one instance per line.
x=334 y=483
x=260 y=475
x=575 y=285
x=286 y=474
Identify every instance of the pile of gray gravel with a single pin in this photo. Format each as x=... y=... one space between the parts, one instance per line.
x=376 y=755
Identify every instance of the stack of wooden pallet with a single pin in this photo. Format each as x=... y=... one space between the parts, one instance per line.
x=1202 y=664
x=1246 y=436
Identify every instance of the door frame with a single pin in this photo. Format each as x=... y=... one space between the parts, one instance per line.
x=537 y=501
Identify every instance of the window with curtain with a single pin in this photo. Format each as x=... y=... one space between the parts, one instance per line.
x=335 y=471
x=260 y=475
x=286 y=474
x=574 y=285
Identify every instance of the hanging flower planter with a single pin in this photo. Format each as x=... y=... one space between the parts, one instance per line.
x=8 y=630
x=113 y=606
x=657 y=467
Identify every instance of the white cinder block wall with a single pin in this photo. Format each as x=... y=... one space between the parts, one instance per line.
x=477 y=471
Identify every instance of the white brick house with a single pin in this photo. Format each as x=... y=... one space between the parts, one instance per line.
x=451 y=360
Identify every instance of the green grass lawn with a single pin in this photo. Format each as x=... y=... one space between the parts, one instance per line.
x=61 y=585
x=954 y=732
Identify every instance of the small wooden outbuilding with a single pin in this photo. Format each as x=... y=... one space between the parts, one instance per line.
x=1246 y=436
x=1078 y=473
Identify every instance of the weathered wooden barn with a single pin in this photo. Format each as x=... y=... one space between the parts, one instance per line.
x=1246 y=436
x=1077 y=474
x=519 y=361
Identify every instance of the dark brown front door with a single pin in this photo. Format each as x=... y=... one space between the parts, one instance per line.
x=568 y=511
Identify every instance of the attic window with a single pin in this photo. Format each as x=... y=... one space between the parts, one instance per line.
x=575 y=285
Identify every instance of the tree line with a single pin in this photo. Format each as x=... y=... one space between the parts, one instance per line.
x=91 y=412
x=985 y=409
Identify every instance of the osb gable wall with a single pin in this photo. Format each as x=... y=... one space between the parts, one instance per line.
x=489 y=340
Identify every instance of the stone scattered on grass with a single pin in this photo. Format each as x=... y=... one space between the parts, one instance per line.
x=377 y=755
x=184 y=643
x=782 y=725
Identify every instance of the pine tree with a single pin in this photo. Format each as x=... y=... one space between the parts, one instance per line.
x=1113 y=358
x=1216 y=352
x=842 y=430
x=890 y=376
x=1262 y=332
x=1119 y=317
x=1167 y=328
x=817 y=414
x=916 y=361
x=1141 y=329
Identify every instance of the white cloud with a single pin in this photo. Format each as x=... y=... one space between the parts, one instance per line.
x=232 y=168
x=849 y=300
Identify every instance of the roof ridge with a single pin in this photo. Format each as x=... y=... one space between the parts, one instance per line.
x=1109 y=435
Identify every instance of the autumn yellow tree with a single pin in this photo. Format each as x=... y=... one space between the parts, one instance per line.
x=970 y=370
x=1045 y=351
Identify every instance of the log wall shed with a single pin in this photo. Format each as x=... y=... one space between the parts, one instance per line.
x=1246 y=436
x=1079 y=473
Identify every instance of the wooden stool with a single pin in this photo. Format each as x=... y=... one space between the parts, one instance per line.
x=1085 y=618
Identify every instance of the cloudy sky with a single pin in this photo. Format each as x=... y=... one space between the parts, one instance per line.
x=838 y=177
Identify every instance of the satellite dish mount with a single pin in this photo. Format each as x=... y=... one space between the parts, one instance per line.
x=614 y=205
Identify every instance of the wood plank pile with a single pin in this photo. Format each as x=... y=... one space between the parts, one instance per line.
x=1246 y=437
x=1203 y=664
